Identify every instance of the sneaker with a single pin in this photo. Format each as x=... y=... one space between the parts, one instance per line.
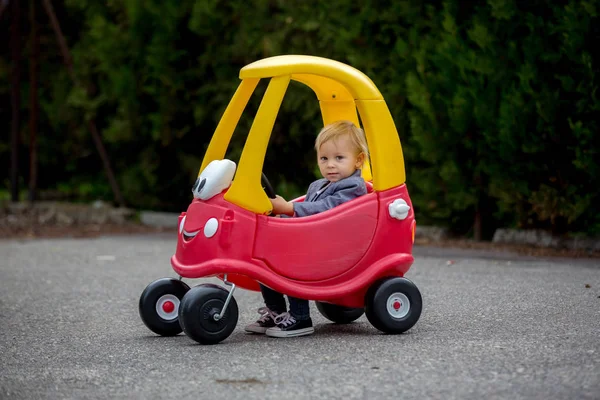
x=288 y=326
x=266 y=321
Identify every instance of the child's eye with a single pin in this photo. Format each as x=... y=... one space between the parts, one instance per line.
x=339 y=158
x=323 y=158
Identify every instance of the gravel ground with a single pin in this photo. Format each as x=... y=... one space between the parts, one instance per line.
x=494 y=326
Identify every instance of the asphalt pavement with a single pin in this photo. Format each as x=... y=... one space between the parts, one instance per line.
x=494 y=326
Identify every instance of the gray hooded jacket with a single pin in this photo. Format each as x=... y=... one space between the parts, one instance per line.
x=333 y=195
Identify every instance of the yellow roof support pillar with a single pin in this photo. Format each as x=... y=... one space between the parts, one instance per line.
x=246 y=190
x=220 y=139
x=384 y=144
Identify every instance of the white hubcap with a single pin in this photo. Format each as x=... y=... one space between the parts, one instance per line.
x=167 y=307
x=398 y=305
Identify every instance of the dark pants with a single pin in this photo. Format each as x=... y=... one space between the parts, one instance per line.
x=276 y=302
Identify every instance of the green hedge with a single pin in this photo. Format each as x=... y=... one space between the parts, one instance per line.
x=496 y=102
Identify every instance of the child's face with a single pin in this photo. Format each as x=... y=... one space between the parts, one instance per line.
x=338 y=159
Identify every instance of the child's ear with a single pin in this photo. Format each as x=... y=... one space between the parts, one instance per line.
x=360 y=160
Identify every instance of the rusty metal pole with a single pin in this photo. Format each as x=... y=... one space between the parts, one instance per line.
x=3 y=5
x=15 y=98
x=33 y=100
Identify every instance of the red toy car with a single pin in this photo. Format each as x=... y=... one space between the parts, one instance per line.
x=350 y=259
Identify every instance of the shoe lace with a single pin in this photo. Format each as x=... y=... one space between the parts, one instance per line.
x=285 y=319
x=266 y=314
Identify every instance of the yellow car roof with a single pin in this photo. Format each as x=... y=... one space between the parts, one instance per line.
x=360 y=86
x=341 y=90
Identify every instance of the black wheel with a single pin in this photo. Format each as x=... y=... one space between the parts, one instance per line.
x=159 y=305
x=197 y=314
x=339 y=314
x=393 y=305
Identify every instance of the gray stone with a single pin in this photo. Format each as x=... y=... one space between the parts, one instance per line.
x=18 y=208
x=13 y=220
x=46 y=216
x=159 y=219
x=98 y=217
x=544 y=239
x=64 y=219
x=99 y=204
x=431 y=232
x=51 y=212
x=120 y=215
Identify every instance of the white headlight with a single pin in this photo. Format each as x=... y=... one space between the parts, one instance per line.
x=211 y=227
x=215 y=178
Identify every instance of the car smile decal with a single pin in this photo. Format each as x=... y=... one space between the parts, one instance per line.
x=189 y=235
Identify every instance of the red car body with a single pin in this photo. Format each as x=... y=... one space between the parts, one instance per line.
x=332 y=256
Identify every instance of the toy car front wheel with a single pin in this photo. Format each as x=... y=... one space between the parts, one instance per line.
x=198 y=310
x=393 y=305
x=339 y=314
x=159 y=305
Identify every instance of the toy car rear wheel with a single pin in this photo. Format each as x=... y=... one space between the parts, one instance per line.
x=197 y=314
x=159 y=305
x=393 y=305
x=339 y=314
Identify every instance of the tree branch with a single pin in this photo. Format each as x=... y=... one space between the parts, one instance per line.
x=3 y=5
x=68 y=60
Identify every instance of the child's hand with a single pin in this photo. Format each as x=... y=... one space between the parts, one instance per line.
x=281 y=206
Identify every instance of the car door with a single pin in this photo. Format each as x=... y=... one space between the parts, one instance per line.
x=320 y=246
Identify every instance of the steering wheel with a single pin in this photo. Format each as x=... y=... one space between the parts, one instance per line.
x=264 y=181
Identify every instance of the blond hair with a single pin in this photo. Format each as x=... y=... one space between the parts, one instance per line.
x=342 y=128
